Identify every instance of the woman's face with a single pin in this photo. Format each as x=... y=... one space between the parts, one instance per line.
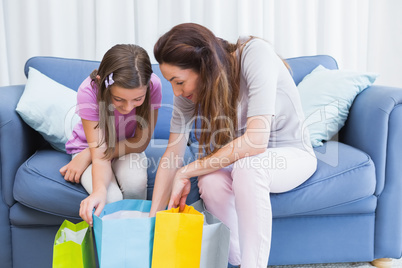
x=184 y=81
x=125 y=100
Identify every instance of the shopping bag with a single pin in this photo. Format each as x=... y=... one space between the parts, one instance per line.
x=178 y=236
x=73 y=246
x=124 y=234
x=215 y=240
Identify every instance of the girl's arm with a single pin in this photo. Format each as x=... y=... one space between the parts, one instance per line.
x=170 y=162
x=141 y=139
x=73 y=170
x=102 y=172
x=254 y=141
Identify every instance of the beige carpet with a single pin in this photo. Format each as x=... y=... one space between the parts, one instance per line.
x=395 y=264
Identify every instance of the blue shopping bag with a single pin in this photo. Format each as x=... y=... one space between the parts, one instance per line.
x=124 y=234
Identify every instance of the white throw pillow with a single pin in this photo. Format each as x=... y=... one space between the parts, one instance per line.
x=49 y=108
x=326 y=96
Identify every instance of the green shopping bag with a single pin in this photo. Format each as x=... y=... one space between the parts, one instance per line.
x=73 y=246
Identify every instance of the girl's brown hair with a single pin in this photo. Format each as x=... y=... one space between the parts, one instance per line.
x=192 y=46
x=131 y=68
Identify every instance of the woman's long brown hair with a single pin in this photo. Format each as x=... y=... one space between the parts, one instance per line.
x=192 y=46
x=131 y=69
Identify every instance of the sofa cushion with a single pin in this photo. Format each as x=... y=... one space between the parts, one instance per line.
x=154 y=152
x=302 y=66
x=56 y=68
x=343 y=183
x=49 y=108
x=162 y=128
x=326 y=96
x=39 y=184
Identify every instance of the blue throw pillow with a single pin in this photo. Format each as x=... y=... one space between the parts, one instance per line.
x=49 y=108
x=326 y=96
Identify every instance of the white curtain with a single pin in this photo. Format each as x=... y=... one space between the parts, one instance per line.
x=363 y=35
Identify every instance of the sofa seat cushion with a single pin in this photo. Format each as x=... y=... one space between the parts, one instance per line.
x=154 y=153
x=343 y=183
x=40 y=186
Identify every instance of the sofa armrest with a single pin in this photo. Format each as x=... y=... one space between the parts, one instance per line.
x=374 y=125
x=18 y=141
x=370 y=124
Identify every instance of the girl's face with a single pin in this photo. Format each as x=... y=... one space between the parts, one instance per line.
x=184 y=81
x=125 y=100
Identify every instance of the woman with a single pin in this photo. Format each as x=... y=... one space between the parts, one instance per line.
x=250 y=130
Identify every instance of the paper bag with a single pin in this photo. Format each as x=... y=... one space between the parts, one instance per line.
x=215 y=240
x=73 y=246
x=124 y=234
x=178 y=236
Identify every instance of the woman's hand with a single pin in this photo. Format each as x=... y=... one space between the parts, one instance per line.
x=72 y=171
x=95 y=200
x=180 y=191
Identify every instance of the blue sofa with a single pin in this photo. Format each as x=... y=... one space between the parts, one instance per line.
x=350 y=210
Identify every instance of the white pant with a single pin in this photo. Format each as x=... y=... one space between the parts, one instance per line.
x=239 y=195
x=129 y=180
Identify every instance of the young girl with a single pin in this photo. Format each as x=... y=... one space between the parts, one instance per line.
x=250 y=131
x=118 y=105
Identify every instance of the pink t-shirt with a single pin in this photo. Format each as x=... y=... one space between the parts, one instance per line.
x=88 y=109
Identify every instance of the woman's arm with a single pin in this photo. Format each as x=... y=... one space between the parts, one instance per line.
x=254 y=141
x=170 y=162
x=141 y=139
x=102 y=172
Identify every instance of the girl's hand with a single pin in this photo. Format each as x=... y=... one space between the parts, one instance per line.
x=181 y=189
x=72 y=171
x=95 y=200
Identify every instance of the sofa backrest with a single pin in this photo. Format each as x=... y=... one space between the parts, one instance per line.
x=302 y=66
x=162 y=128
x=68 y=72
x=71 y=73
